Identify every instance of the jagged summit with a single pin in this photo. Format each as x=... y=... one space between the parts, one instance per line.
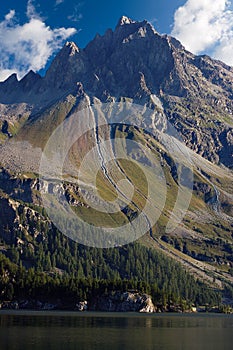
x=31 y=75
x=29 y=80
x=135 y=61
x=124 y=20
x=133 y=65
x=11 y=79
x=72 y=47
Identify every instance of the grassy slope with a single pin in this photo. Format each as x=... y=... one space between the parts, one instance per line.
x=204 y=230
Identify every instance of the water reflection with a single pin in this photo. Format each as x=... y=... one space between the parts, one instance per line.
x=110 y=331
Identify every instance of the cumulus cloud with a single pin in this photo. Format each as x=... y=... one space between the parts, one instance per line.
x=206 y=26
x=30 y=45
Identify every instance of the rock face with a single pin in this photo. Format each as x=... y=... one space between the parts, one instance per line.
x=131 y=63
x=134 y=61
x=82 y=306
x=124 y=302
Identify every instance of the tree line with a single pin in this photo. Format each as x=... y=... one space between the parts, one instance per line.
x=54 y=266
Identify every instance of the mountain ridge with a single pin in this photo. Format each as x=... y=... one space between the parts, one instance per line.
x=134 y=61
x=132 y=64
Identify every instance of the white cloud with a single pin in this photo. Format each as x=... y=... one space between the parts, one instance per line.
x=28 y=46
x=5 y=73
x=224 y=51
x=10 y=15
x=58 y=2
x=31 y=11
x=206 y=26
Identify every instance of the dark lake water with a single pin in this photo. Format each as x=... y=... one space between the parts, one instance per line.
x=101 y=331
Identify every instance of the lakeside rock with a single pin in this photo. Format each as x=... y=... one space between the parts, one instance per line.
x=115 y=302
x=82 y=306
x=124 y=302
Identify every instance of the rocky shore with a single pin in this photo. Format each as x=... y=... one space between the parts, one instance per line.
x=115 y=302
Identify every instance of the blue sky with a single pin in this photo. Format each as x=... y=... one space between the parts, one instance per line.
x=32 y=31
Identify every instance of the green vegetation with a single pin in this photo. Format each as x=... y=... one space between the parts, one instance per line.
x=61 y=268
x=45 y=263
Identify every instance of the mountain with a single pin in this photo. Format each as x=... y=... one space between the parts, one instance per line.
x=135 y=61
x=132 y=64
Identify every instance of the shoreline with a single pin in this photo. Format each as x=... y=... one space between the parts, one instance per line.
x=33 y=312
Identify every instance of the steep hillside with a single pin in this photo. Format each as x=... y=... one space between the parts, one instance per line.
x=188 y=96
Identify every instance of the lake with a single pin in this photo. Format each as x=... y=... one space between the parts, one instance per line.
x=28 y=330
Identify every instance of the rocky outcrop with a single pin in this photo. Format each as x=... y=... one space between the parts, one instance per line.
x=82 y=306
x=14 y=91
x=30 y=305
x=21 y=215
x=124 y=302
x=116 y=302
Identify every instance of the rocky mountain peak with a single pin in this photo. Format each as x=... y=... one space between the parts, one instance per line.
x=30 y=79
x=7 y=86
x=124 y=20
x=69 y=52
x=128 y=29
x=135 y=61
x=11 y=79
x=136 y=65
x=67 y=68
x=71 y=48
